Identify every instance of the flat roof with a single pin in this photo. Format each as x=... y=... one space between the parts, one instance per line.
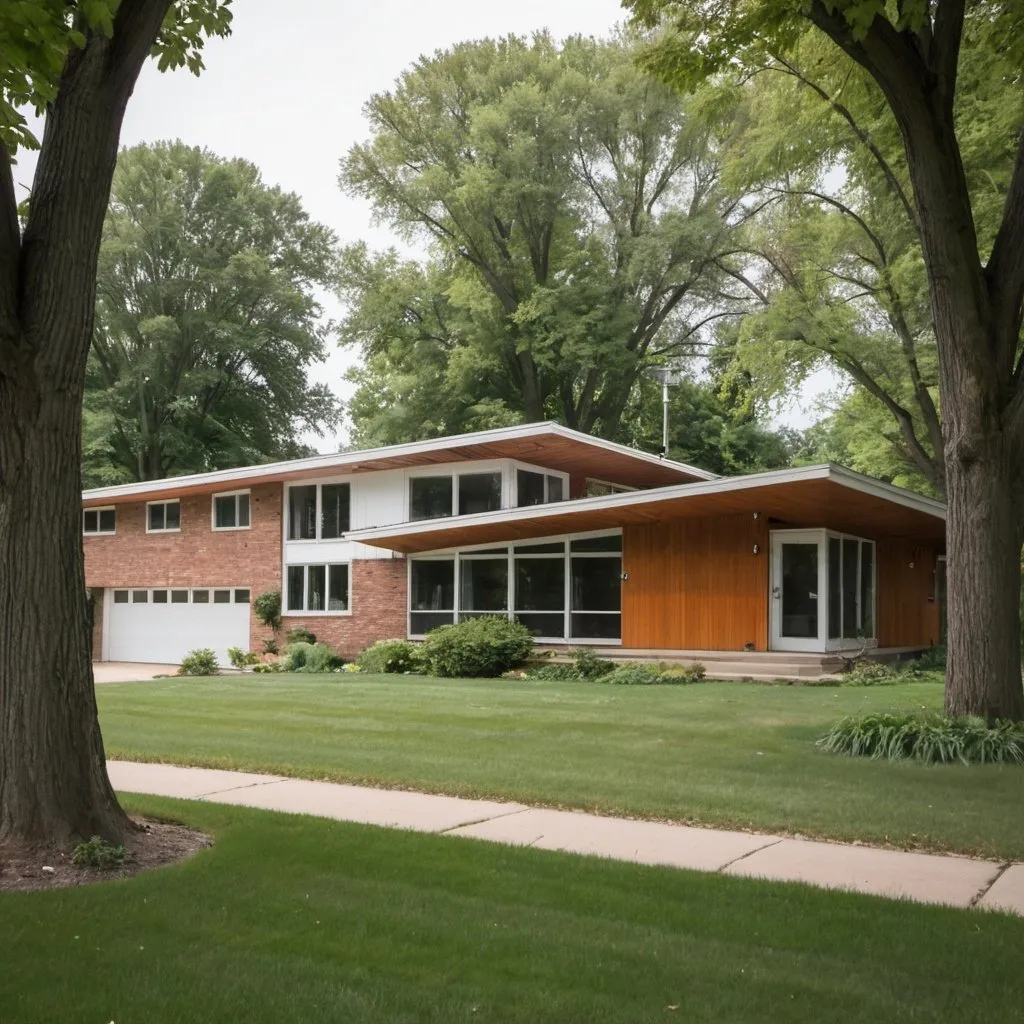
x=549 y=444
x=812 y=496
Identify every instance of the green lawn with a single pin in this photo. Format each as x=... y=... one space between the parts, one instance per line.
x=295 y=919
x=731 y=754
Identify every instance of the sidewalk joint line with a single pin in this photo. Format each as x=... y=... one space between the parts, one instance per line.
x=986 y=889
x=750 y=853
x=481 y=821
x=235 y=789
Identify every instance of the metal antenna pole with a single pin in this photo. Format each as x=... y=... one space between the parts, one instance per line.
x=664 y=415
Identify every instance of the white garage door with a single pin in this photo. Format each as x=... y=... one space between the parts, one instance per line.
x=163 y=625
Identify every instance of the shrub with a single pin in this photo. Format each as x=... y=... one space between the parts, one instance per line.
x=477 y=647
x=242 y=659
x=264 y=667
x=634 y=675
x=556 y=672
x=300 y=635
x=398 y=656
x=587 y=665
x=267 y=607
x=684 y=673
x=931 y=738
x=303 y=657
x=97 y=853
x=200 y=662
x=871 y=673
x=270 y=646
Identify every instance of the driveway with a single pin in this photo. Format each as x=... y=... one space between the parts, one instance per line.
x=129 y=672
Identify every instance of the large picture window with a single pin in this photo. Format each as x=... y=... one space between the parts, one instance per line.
x=317 y=588
x=558 y=589
x=319 y=511
x=851 y=588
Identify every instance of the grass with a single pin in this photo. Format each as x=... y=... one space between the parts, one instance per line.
x=729 y=754
x=295 y=919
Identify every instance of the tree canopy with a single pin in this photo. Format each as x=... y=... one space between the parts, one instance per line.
x=206 y=320
x=576 y=224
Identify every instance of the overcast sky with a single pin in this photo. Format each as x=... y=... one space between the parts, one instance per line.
x=286 y=90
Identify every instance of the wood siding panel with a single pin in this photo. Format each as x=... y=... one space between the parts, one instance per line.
x=907 y=614
x=696 y=584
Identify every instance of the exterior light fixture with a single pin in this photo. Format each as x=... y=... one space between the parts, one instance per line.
x=757 y=549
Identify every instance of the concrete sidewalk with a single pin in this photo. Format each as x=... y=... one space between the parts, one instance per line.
x=924 y=878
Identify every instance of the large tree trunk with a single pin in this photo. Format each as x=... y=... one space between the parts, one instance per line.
x=983 y=548
x=53 y=780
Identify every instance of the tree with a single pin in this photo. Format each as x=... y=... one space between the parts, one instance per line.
x=708 y=428
x=206 y=320
x=78 y=62
x=976 y=283
x=574 y=215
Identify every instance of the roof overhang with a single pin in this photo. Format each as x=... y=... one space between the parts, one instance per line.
x=816 y=496
x=547 y=444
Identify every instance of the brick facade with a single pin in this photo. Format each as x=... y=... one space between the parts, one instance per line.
x=199 y=556
x=378 y=589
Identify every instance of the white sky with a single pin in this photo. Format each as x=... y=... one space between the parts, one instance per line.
x=286 y=91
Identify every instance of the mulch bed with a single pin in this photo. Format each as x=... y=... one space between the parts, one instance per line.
x=155 y=844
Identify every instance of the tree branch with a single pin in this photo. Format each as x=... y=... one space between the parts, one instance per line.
x=1005 y=269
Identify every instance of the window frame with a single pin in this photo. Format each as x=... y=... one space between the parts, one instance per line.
x=546 y=473
x=485 y=551
x=98 y=532
x=165 y=502
x=229 y=494
x=318 y=486
x=327 y=565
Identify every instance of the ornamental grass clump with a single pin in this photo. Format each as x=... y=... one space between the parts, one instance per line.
x=929 y=738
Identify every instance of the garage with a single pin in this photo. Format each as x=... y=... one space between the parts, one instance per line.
x=161 y=625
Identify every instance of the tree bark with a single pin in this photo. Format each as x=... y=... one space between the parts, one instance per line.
x=53 y=781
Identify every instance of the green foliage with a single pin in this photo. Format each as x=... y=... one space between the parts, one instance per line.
x=305 y=657
x=556 y=672
x=481 y=647
x=587 y=665
x=391 y=656
x=576 y=222
x=871 y=673
x=200 y=662
x=634 y=675
x=267 y=607
x=931 y=738
x=242 y=659
x=264 y=668
x=97 y=853
x=300 y=635
x=206 y=320
x=36 y=37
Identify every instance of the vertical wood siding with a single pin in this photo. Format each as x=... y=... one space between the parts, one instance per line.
x=906 y=615
x=696 y=584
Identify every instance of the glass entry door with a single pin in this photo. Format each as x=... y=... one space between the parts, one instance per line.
x=822 y=591
x=797 y=598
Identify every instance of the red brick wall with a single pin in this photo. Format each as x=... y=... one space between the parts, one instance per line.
x=198 y=556
x=378 y=589
x=201 y=557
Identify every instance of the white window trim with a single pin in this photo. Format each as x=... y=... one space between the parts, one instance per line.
x=288 y=612
x=456 y=554
x=98 y=532
x=318 y=539
x=165 y=502
x=213 y=511
x=543 y=471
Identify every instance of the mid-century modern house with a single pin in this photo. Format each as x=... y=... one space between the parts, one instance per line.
x=584 y=541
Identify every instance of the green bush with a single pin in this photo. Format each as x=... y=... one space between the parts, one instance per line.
x=634 y=675
x=300 y=635
x=270 y=646
x=97 y=853
x=587 y=665
x=558 y=671
x=931 y=738
x=303 y=657
x=397 y=656
x=242 y=659
x=683 y=673
x=264 y=668
x=200 y=662
x=268 y=609
x=871 y=673
x=481 y=647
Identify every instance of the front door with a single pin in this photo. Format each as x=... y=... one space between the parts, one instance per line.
x=798 y=591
